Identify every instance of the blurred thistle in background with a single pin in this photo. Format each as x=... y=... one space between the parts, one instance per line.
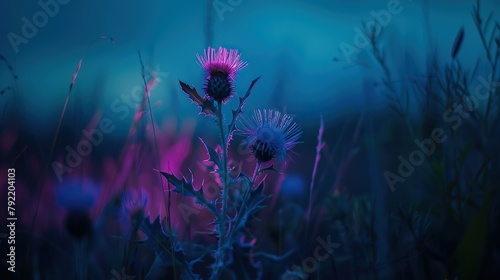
x=372 y=84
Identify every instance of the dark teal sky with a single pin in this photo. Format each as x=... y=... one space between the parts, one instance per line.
x=291 y=44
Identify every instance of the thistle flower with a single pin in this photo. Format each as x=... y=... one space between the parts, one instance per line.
x=77 y=198
x=270 y=135
x=221 y=68
x=135 y=201
x=78 y=223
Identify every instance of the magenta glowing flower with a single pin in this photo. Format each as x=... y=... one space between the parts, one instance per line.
x=221 y=68
x=270 y=135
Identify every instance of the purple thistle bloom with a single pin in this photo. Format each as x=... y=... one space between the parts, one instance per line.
x=221 y=68
x=270 y=135
x=78 y=197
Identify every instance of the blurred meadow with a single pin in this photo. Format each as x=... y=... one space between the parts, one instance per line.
x=119 y=175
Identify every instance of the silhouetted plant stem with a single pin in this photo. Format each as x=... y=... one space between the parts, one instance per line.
x=221 y=250
x=56 y=134
x=243 y=207
x=319 y=147
x=15 y=90
x=147 y=89
x=421 y=245
x=255 y=173
x=280 y=232
x=403 y=110
x=492 y=56
x=224 y=166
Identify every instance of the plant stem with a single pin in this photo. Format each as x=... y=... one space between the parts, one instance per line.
x=242 y=208
x=221 y=250
x=224 y=167
x=255 y=173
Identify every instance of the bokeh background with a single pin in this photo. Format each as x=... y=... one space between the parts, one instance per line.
x=298 y=49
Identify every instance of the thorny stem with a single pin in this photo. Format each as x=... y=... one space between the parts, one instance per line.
x=243 y=204
x=220 y=255
x=224 y=165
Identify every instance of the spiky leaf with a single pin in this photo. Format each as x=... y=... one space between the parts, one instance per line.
x=214 y=156
x=207 y=106
x=167 y=252
x=239 y=110
x=186 y=188
x=252 y=204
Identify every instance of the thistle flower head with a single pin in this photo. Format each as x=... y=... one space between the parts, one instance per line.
x=135 y=200
x=221 y=68
x=270 y=134
x=77 y=198
x=78 y=224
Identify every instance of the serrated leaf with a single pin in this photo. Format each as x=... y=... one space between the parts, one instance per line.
x=207 y=106
x=166 y=251
x=158 y=240
x=214 y=156
x=254 y=203
x=239 y=110
x=186 y=188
